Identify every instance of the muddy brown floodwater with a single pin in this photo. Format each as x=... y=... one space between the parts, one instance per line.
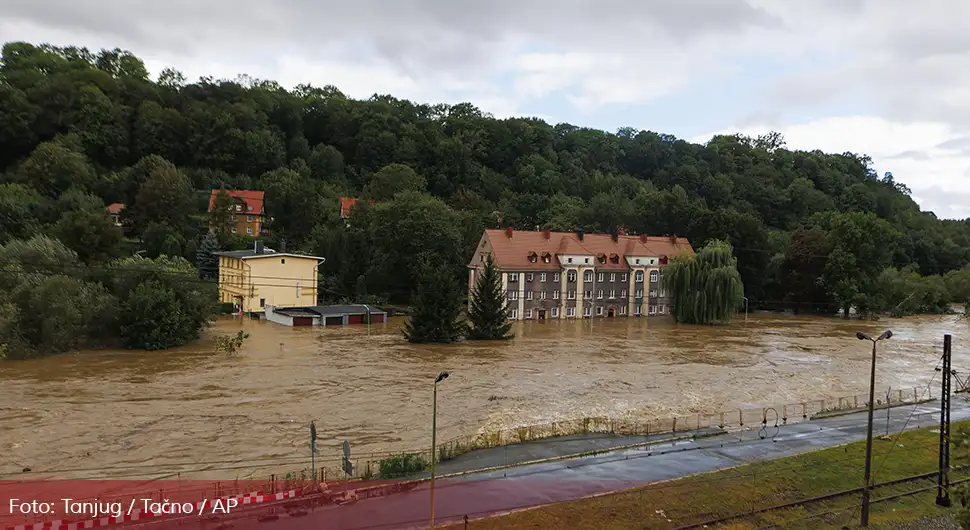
x=209 y=415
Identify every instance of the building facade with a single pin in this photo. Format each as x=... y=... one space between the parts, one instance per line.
x=247 y=213
x=253 y=279
x=549 y=275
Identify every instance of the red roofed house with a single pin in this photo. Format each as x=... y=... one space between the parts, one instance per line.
x=571 y=275
x=114 y=210
x=347 y=204
x=248 y=214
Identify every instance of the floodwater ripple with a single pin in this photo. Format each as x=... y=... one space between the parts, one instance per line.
x=105 y=410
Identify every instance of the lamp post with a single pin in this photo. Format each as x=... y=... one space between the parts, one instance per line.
x=745 y=308
x=434 y=432
x=872 y=384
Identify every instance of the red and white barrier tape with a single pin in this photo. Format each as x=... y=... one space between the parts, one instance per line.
x=255 y=497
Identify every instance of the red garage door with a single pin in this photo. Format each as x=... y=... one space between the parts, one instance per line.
x=302 y=321
x=355 y=319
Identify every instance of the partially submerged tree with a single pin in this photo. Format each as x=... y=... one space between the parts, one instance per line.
x=437 y=310
x=489 y=306
x=706 y=287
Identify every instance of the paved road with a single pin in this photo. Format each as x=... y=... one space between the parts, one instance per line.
x=481 y=494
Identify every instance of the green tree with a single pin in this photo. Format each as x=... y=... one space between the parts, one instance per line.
x=206 y=261
x=706 y=287
x=489 y=312
x=436 y=313
x=152 y=318
x=53 y=168
x=393 y=179
x=21 y=211
x=220 y=216
x=90 y=233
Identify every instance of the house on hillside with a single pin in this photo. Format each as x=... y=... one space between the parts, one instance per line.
x=347 y=205
x=247 y=212
x=550 y=275
x=253 y=279
x=114 y=210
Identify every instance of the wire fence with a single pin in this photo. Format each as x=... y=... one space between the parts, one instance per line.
x=403 y=463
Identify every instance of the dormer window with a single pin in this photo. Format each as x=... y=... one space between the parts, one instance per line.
x=533 y=257
x=614 y=258
x=546 y=257
x=250 y=208
x=601 y=258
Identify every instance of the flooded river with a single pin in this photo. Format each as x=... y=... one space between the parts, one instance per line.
x=140 y=414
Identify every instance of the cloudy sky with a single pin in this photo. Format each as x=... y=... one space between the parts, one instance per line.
x=882 y=77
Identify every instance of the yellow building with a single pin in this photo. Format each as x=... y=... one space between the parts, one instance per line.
x=253 y=279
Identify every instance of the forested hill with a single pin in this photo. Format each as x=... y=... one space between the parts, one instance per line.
x=79 y=130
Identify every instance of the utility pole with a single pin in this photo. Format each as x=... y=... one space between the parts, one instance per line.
x=943 y=481
x=867 y=489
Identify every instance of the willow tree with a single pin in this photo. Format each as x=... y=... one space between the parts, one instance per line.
x=706 y=287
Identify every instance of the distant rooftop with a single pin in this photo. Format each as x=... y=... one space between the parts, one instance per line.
x=266 y=253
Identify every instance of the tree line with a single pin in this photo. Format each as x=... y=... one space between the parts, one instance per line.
x=811 y=232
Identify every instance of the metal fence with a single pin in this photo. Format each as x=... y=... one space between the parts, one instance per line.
x=369 y=466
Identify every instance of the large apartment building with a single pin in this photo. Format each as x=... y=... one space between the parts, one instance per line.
x=550 y=275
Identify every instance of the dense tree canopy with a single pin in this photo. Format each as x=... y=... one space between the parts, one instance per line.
x=810 y=231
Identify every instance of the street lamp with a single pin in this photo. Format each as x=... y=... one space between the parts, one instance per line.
x=434 y=432
x=745 y=308
x=872 y=390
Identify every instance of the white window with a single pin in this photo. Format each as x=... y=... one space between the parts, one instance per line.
x=528 y=313
x=249 y=230
x=299 y=290
x=542 y=295
x=555 y=312
x=513 y=314
x=588 y=295
x=622 y=309
x=555 y=295
x=542 y=276
x=639 y=293
x=570 y=311
x=232 y=218
x=571 y=295
x=653 y=293
x=529 y=277
x=612 y=293
x=653 y=276
x=513 y=295
x=588 y=277
x=234 y=230
x=653 y=261
x=636 y=310
x=250 y=208
x=571 y=276
x=238 y=208
x=528 y=295
x=612 y=276
x=638 y=261
x=587 y=311
x=653 y=310
x=663 y=309
x=587 y=260
x=249 y=218
x=513 y=276
x=599 y=294
x=601 y=277
x=599 y=311
x=623 y=277
x=623 y=293
x=639 y=276
x=570 y=260
x=555 y=277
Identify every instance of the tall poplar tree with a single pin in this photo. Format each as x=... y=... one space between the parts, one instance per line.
x=706 y=286
x=489 y=306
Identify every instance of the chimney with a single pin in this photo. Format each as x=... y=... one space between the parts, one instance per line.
x=615 y=236
x=258 y=247
x=579 y=234
x=548 y=234
x=508 y=232
x=673 y=239
x=643 y=238
x=282 y=245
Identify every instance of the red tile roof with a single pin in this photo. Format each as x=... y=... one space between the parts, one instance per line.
x=514 y=252
x=115 y=208
x=253 y=200
x=346 y=203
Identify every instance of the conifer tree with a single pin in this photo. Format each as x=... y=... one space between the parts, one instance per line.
x=489 y=307
x=437 y=307
x=206 y=261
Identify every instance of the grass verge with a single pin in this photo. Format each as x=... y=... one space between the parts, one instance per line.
x=760 y=485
